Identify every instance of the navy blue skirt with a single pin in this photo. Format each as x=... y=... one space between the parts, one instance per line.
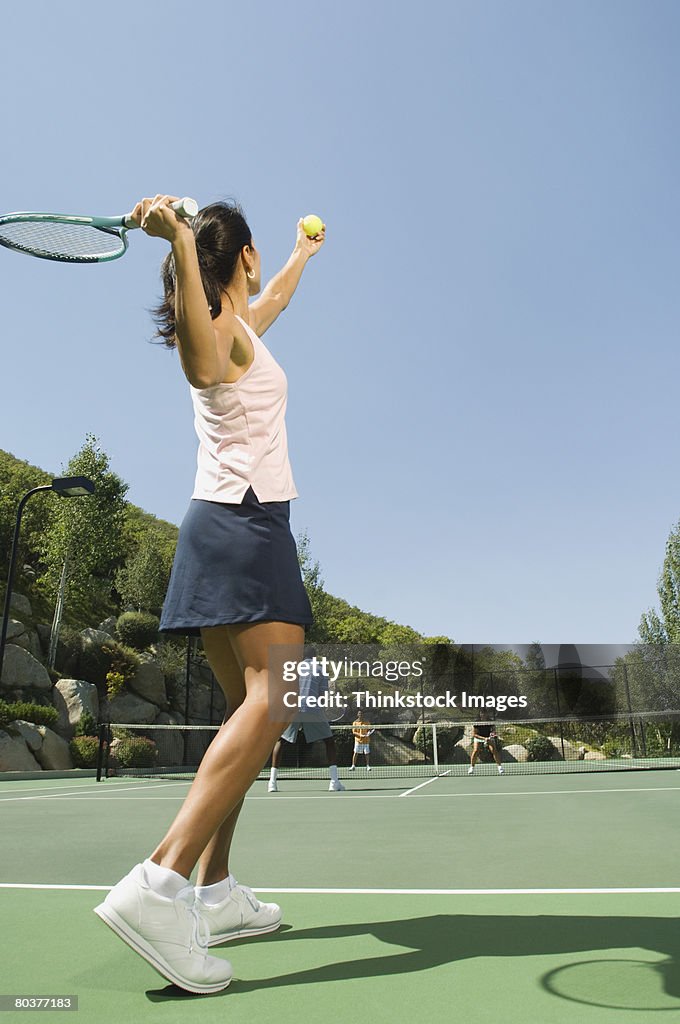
x=235 y=563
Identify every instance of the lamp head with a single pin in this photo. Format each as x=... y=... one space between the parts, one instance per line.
x=73 y=486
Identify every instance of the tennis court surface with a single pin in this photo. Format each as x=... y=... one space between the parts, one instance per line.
x=519 y=898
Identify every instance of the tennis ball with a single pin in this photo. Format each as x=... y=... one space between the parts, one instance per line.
x=313 y=225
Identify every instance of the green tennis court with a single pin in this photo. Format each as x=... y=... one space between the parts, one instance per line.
x=521 y=898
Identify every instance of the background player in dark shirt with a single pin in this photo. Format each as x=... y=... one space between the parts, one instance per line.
x=484 y=735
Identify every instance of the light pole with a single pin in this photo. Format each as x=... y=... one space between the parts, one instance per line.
x=67 y=487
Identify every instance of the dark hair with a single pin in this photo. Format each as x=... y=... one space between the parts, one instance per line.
x=221 y=233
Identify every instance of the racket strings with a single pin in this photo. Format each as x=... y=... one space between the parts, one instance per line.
x=58 y=240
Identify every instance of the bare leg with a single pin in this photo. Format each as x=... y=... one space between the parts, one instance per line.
x=276 y=753
x=331 y=751
x=240 y=748
x=214 y=863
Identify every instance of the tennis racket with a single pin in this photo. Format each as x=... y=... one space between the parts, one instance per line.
x=336 y=714
x=67 y=239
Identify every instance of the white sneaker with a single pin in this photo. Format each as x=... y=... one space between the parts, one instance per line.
x=272 y=788
x=368 y=767
x=336 y=787
x=470 y=770
x=168 y=933
x=500 y=769
x=239 y=915
x=351 y=767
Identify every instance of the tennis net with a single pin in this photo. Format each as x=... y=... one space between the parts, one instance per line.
x=418 y=749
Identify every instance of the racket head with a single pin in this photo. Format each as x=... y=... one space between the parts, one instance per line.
x=62 y=238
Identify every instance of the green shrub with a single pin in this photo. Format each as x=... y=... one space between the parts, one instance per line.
x=137 y=629
x=540 y=748
x=115 y=684
x=612 y=748
x=136 y=752
x=124 y=660
x=87 y=726
x=171 y=656
x=84 y=751
x=39 y=714
x=118 y=733
x=95 y=663
x=422 y=741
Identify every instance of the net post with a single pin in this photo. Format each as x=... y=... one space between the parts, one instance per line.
x=100 y=751
x=435 y=751
x=561 y=738
x=107 y=747
x=633 y=737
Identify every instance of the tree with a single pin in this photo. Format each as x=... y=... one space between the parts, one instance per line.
x=537 y=685
x=393 y=637
x=143 y=580
x=16 y=478
x=535 y=658
x=355 y=628
x=82 y=538
x=496 y=672
x=665 y=629
x=318 y=598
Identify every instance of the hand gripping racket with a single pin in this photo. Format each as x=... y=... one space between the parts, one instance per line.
x=53 y=236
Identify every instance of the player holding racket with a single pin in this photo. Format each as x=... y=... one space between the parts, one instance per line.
x=312 y=721
x=484 y=735
x=235 y=580
x=361 y=729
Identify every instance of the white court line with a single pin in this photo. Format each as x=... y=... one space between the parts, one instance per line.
x=91 y=787
x=429 y=782
x=319 y=795
x=354 y=795
x=88 y=786
x=75 y=796
x=102 y=796
x=625 y=891
x=553 y=792
x=22 y=885
x=473 y=795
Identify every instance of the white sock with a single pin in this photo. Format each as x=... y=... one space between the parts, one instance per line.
x=273 y=773
x=215 y=893
x=333 y=769
x=164 y=881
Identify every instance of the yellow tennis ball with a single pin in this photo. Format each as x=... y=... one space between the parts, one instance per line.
x=313 y=225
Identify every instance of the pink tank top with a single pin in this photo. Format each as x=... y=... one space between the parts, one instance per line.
x=242 y=433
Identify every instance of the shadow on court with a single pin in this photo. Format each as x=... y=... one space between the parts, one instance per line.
x=443 y=939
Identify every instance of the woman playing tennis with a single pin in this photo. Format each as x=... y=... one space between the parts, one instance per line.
x=235 y=581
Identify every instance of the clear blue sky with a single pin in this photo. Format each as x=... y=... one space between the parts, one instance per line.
x=483 y=360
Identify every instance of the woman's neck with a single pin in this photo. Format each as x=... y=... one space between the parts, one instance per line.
x=236 y=299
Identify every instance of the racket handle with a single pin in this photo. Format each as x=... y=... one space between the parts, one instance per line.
x=183 y=208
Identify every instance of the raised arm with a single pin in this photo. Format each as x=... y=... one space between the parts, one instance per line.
x=278 y=292
x=204 y=345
